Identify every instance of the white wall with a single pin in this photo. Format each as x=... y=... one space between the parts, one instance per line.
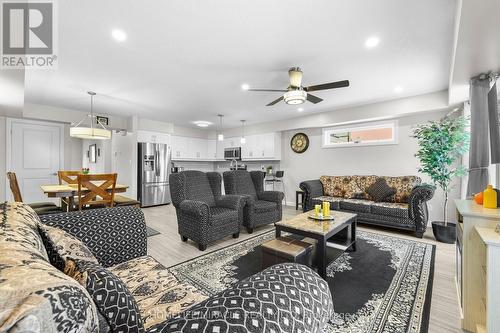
x=388 y=160
x=103 y=161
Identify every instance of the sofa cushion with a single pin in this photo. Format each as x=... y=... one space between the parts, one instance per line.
x=32 y=291
x=390 y=209
x=111 y=296
x=403 y=186
x=356 y=205
x=335 y=186
x=354 y=190
x=364 y=182
x=379 y=190
x=262 y=206
x=159 y=295
x=60 y=246
x=334 y=201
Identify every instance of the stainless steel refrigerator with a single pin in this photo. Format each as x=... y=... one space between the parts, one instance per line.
x=154 y=170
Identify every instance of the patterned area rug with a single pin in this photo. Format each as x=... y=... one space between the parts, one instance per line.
x=385 y=286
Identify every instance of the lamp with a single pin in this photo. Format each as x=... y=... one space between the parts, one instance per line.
x=295 y=97
x=220 y=135
x=243 y=140
x=92 y=133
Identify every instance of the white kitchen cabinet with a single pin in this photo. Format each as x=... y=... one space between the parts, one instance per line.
x=193 y=149
x=179 y=148
x=212 y=149
x=153 y=137
x=265 y=146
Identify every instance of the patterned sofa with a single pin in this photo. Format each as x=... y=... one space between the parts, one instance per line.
x=35 y=296
x=406 y=210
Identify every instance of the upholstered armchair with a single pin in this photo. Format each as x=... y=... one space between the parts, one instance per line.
x=263 y=207
x=203 y=214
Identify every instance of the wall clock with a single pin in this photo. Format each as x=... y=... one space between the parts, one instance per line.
x=299 y=143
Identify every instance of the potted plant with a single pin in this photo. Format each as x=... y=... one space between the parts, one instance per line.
x=442 y=143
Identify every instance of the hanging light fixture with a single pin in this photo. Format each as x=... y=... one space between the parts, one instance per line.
x=220 y=135
x=93 y=133
x=243 y=140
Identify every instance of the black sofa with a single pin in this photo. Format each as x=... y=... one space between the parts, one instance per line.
x=33 y=291
x=407 y=211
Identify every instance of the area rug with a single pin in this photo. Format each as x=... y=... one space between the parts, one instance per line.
x=385 y=286
x=151 y=232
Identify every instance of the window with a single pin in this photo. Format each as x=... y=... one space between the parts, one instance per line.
x=380 y=133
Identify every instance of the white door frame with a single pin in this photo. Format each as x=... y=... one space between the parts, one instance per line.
x=8 y=143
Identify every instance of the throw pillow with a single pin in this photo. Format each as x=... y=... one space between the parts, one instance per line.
x=111 y=297
x=354 y=191
x=379 y=190
x=60 y=246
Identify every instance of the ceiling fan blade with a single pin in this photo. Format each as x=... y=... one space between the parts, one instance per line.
x=331 y=85
x=277 y=90
x=314 y=99
x=275 y=101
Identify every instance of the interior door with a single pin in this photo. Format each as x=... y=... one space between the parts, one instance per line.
x=35 y=152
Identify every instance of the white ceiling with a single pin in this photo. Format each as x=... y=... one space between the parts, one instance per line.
x=477 y=47
x=186 y=60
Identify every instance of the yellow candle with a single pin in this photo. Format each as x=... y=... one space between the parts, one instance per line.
x=316 y=209
x=326 y=208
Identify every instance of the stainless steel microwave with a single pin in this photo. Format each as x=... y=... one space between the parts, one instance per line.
x=232 y=153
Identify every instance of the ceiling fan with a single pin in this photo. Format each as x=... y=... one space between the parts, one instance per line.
x=297 y=94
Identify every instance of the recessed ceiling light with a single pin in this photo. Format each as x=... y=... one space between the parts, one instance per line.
x=202 y=123
x=300 y=109
x=398 y=89
x=119 y=35
x=245 y=86
x=372 y=42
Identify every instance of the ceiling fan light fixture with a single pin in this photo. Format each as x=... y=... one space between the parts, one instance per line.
x=295 y=75
x=294 y=97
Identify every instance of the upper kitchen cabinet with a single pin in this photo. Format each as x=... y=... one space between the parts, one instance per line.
x=153 y=137
x=193 y=149
x=265 y=146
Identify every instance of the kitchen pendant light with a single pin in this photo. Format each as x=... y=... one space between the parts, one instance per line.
x=243 y=140
x=220 y=135
x=92 y=133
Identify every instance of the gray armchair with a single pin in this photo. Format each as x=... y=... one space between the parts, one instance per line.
x=263 y=207
x=203 y=214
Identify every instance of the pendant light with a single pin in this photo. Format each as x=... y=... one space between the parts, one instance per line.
x=86 y=132
x=243 y=140
x=220 y=135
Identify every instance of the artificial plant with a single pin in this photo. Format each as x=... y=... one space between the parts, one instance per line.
x=442 y=143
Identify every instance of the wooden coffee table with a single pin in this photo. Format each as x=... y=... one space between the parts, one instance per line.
x=324 y=232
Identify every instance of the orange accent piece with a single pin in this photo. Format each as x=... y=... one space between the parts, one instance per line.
x=478 y=198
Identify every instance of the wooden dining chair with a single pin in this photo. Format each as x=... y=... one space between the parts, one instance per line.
x=39 y=207
x=96 y=191
x=69 y=177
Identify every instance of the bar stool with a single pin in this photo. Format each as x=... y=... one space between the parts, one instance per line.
x=278 y=179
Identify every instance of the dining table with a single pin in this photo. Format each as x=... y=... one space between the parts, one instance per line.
x=69 y=191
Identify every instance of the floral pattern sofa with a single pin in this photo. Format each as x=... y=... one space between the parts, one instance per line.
x=406 y=209
x=41 y=286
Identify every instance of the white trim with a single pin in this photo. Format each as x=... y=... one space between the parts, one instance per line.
x=360 y=126
x=8 y=144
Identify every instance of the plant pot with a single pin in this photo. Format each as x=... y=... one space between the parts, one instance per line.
x=444 y=233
